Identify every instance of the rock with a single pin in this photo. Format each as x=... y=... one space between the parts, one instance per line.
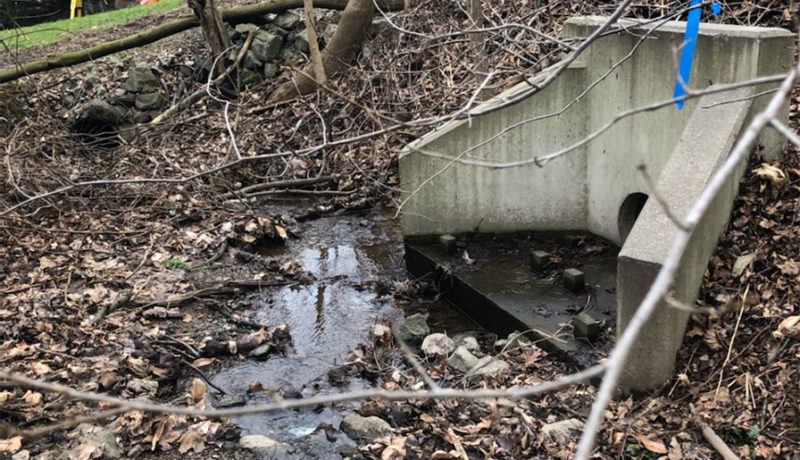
x=148 y=101
x=242 y=30
x=380 y=330
x=270 y=70
x=292 y=57
x=301 y=41
x=141 y=117
x=462 y=360
x=98 y=116
x=141 y=80
x=266 y=46
x=327 y=34
x=365 y=428
x=100 y=441
x=69 y=101
x=248 y=78
x=91 y=80
x=414 y=328
x=489 y=366
x=337 y=375
x=265 y=447
x=562 y=431
x=287 y=20
x=251 y=61
x=260 y=352
x=21 y=455
x=469 y=342
x=438 y=345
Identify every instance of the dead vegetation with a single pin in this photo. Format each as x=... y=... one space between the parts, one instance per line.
x=113 y=287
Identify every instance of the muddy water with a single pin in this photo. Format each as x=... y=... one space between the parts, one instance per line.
x=326 y=318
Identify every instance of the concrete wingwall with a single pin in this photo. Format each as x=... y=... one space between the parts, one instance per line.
x=456 y=198
x=598 y=187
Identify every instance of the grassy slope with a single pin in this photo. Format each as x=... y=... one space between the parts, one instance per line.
x=51 y=32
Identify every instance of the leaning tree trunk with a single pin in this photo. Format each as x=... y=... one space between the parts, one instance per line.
x=213 y=30
x=344 y=46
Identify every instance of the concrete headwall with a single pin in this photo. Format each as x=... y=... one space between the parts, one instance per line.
x=631 y=67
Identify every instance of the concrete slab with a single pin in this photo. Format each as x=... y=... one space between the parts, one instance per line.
x=499 y=290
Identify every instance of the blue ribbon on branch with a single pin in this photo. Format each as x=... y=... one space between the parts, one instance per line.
x=689 y=45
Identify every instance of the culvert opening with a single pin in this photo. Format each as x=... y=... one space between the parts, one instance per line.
x=628 y=213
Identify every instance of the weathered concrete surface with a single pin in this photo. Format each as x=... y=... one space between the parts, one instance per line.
x=586 y=188
x=705 y=143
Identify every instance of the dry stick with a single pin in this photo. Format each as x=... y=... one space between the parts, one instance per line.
x=313 y=45
x=730 y=345
x=235 y=14
x=401 y=395
x=666 y=275
x=244 y=192
x=716 y=442
x=197 y=95
x=36 y=433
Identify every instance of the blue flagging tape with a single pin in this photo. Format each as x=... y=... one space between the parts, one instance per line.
x=687 y=53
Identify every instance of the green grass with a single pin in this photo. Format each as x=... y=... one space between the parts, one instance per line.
x=51 y=32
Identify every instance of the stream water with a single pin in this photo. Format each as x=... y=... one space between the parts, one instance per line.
x=326 y=318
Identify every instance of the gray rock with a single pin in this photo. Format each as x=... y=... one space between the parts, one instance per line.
x=365 y=428
x=266 y=46
x=462 y=360
x=251 y=61
x=243 y=29
x=249 y=78
x=265 y=447
x=97 y=439
x=98 y=116
x=438 y=345
x=287 y=20
x=469 y=342
x=69 y=101
x=379 y=330
x=91 y=80
x=140 y=80
x=148 y=101
x=141 y=117
x=301 y=41
x=414 y=328
x=327 y=34
x=270 y=70
x=488 y=366
x=21 y=455
x=562 y=431
x=260 y=352
x=292 y=57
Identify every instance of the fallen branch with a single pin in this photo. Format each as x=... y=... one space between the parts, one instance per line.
x=716 y=442
x=232 y=15
x=399 y=395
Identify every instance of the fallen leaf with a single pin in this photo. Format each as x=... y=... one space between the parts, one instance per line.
x=789 y=327
x=198 y=389
x=653 y=446
x=11 y=445
x=775 y=175
x=32 y=397
x=192 y=439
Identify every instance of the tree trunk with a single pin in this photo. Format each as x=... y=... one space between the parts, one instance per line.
x=343 y=47
x=213 y=30
x=235 y=15
x=313 y=44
